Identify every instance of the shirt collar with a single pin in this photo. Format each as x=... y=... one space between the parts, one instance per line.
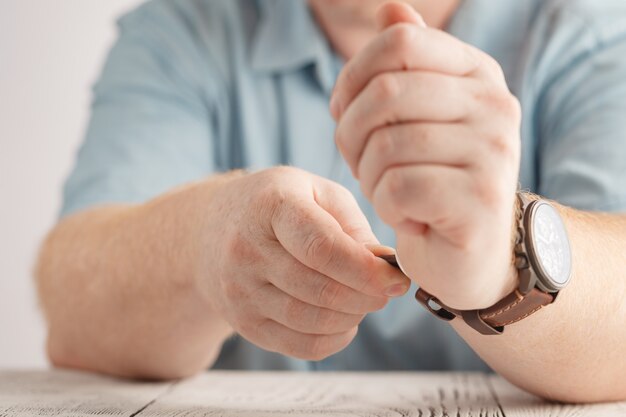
x=287 y=38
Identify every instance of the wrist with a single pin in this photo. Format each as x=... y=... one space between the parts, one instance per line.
x=507 y=282
x=504 y=278
x=187 y=219
x=543 y=263
x=480 y=297
x=495 y=274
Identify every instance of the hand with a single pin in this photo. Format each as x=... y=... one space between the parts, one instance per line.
x=292 y=272
x=430 y=129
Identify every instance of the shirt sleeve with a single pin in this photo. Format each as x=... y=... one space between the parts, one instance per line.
x=151 y=123
x=582 y=149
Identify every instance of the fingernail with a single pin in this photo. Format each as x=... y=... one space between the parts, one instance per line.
x=335 y=106
x=396 y=290
x=380 y=250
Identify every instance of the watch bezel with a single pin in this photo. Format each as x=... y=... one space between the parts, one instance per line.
x=544 y=281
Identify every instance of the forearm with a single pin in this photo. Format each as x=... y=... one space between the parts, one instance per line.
x=118 y=286
x=575 y=349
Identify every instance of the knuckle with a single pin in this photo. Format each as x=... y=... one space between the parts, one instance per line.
x=329 y=294
x=503 y=103
x=386 y=87
x=513 y=107
x=370 y=282
x=383 y=142
x=319 y=249
x=501 y=145
x=393 y=190
x=506 y=104
x=402 y=37
x=395 y=183
x=491 y=62
x=340 y=138
x=275 y=181
x=294 y=310
x=488 y=193
x=345 y=131
x=344 y=194
x=492 y=65
x=281 y=171
x=280 y=202
x=271 y=194
x=273 y=178
x=350 y=76
x=325 y=321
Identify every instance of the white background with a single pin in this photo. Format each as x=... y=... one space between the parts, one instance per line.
x=50 y=54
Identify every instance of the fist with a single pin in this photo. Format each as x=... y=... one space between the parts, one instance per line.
x=431 y=131
x=293 y=273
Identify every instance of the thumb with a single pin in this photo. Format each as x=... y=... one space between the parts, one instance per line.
x=341 y=204
x=394 y=12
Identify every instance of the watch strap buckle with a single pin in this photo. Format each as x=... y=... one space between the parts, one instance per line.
x=434 y=306
x=443 y=312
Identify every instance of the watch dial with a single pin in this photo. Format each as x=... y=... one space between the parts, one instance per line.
x=551 y=245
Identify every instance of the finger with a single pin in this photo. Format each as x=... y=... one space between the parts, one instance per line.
x=452 y=144
x=393 y=12
x=399 y=48
x=275 y=337
x=303 y=317
x=401 y=97
x=342 y=205
x=384 y=252
x=314 y=288
x=314 y=237
x=428 y=194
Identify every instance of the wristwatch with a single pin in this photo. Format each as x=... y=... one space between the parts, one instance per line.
x=543 y=260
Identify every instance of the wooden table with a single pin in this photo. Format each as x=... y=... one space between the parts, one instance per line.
x=242 y=394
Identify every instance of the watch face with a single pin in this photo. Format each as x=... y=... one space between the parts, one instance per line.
x=551 y=247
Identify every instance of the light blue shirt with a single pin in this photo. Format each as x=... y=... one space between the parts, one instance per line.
x=195 y=87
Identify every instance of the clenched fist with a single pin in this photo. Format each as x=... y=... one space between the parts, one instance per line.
x=431 y=131
x=295 y=273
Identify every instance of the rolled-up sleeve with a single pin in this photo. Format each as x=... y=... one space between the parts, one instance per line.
x=582 y=150
x=151 y=123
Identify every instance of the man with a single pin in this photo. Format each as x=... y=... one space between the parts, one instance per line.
x=166 y=250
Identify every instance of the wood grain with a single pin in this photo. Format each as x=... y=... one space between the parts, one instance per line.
x=66 y=393
x=328 y=394
x=243 y=394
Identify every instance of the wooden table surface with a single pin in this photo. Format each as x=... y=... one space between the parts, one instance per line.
x=67 y=393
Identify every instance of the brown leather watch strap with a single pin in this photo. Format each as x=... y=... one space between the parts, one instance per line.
x=515 y=307
x=535 y=289
x=512 y=308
